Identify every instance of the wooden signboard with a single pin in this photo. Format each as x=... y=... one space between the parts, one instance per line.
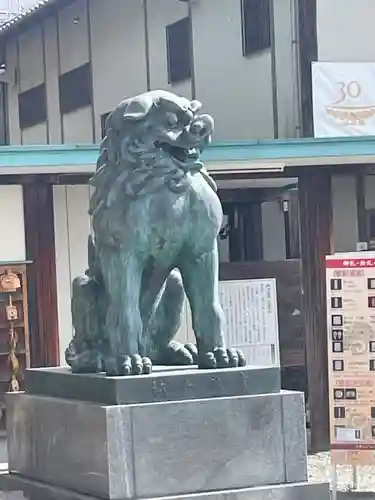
x=351 y=356
x=250 y=308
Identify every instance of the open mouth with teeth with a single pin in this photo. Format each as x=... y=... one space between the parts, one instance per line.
x=178 y=153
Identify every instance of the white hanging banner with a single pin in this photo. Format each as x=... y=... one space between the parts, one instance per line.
x=343 y=99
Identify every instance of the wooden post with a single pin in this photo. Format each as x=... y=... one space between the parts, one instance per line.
x=40 y=249
x=316 y=216
x=363 y=235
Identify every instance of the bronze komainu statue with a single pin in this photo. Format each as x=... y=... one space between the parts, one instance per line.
x=156 y=217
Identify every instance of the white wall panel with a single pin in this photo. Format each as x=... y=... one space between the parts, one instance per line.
x=72 y=227
x=12 y=226
x=79 y=227
x=62 y=268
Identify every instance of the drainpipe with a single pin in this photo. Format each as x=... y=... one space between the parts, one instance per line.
x=275 y=103
x=297 y=94
x=192 y=65
x=147 y=44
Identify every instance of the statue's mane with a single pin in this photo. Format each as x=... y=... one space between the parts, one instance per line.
x=116 y=176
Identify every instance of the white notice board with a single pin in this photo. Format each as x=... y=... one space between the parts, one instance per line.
x=250 y=308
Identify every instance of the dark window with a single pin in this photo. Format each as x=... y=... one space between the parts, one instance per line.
x=75 y=88
x=256 y=26
x=103 y=119
x=32 y=107
x=178 y=51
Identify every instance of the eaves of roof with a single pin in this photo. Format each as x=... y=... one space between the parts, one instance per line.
x=220 y=157
x=40 y=10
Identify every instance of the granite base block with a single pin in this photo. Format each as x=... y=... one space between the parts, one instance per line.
x=19 y=488
x=158 y=449
x=164 y=384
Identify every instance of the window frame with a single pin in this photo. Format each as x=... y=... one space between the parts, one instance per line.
x=176 y=76
x=262 y=40
x=28 y=118
x=72 y=88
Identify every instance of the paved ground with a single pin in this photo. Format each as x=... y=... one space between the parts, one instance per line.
x=3 y=453
x=319 y=470
x=350 y=495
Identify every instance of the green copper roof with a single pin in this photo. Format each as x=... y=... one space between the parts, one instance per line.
x=289 y=151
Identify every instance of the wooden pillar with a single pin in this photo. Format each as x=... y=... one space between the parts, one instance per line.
x=316 y=216
x=40 y=249
x=361 y=206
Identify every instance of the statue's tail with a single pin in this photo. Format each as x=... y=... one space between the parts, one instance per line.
x=93 y=270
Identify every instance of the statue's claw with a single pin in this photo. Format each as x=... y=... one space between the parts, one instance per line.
x=221 y=358
x=192 y=349
x=127 y=365
x=177 y=354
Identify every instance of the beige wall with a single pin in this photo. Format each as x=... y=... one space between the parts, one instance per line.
x=13 y=90
x=73 y=41
x=30 y=58
x=160 y=14
x=370 y=192
x=273 y=231
x=346 y=30
x=346 y=34
x=119 y=62
x=286 y=67
x=235 y=89
x=52 y=89
x=344 y=213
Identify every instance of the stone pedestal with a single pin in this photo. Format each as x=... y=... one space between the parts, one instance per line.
x=224 y=432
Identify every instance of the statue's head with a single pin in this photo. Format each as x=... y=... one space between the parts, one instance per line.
x=159 y=127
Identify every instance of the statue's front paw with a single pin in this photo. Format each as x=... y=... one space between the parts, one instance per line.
x=177 y=354
x=221 y=358
x=88 y=361
x=127 y=365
